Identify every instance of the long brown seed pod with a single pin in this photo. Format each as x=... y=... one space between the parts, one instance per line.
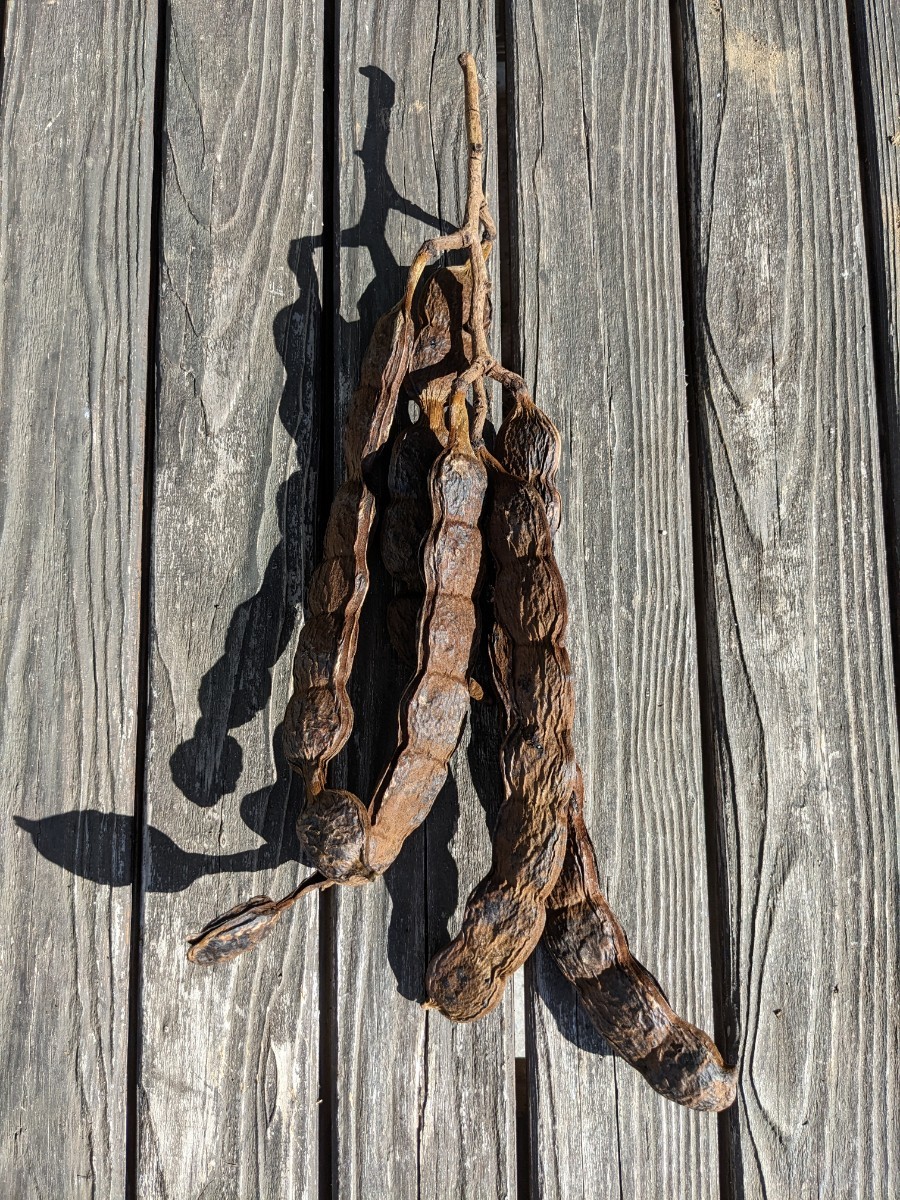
x=319 y=715
x=624 y=1001
x=442 y=349
x=434 y=707
x=504 y=916
x=334 y=828
x=435 y=703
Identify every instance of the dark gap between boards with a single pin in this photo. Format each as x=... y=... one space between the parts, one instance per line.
x=328 y=446
x=132 y=1114
x=886 y=382
x=715 y=864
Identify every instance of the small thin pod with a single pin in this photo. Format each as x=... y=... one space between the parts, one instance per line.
x=504 y=916
x=319 y=715
x=625 y=1003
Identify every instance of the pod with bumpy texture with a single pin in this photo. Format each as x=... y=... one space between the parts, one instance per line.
x=504 y=916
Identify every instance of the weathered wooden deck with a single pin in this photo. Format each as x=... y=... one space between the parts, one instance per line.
x=204 y=207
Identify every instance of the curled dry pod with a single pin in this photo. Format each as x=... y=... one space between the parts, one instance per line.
x=436 y=701
x=505 y=914
x=243 y=927
x=319 y=715
x=624 y=1001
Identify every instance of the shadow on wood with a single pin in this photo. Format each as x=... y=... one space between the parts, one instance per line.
x=208 y=766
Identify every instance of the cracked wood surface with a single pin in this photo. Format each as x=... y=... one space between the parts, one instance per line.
x=76 y=167
x=599 y=328
x=229 y=1071
x=801 y=689
x=424 y=1109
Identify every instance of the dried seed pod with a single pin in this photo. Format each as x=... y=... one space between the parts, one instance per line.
x=504 y=916
x=240 y=929
x=243 y=927
x=407 y=521
x=319 y=715
x=624 y=1001
x=435 y=704
x=528 y=447
x=443 y=347
x=345 y=841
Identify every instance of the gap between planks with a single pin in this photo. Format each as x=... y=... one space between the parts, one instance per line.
x=718 y=915
x=132 y=1133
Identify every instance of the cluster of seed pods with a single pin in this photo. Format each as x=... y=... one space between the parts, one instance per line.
x=448 y=495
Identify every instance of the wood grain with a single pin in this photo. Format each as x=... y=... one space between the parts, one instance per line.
x=423 y=1109
x=803 y=724
x=875 y=48
x=228 y=1082
x=76 y=162
x=599 y=329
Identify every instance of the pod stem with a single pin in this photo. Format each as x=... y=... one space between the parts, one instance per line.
x=314 y=883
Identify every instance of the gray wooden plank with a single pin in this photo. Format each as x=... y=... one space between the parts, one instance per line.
x=228 y=1081
x=423 y=1109
x=600 y=338
x=76 y=165
x=875 y=44
x=803 y=722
